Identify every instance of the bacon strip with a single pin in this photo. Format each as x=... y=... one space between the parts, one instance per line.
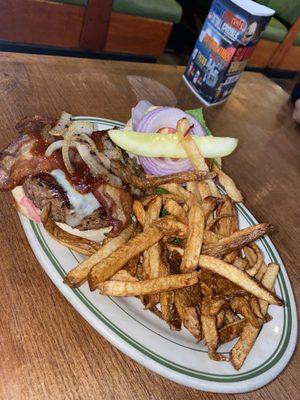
x=19 y=159
x=118 y=203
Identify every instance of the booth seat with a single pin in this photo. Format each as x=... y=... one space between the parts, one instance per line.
x=137 y=27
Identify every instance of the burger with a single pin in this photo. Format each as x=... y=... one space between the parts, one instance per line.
x=72 y=168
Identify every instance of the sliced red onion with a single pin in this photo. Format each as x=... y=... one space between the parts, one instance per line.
x=139 y=111
x=166 y=117
x=159 y=167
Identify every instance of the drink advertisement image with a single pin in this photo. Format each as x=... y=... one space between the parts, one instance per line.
x=225 y=44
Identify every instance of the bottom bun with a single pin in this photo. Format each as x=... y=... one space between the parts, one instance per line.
x=25 y=207
x=96 y=235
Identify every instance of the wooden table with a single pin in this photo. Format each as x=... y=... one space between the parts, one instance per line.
x=47 y=350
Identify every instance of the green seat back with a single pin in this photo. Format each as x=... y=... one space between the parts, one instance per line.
x=82 y=3
x=287 y=10
x=275 y=31
x=165 y=10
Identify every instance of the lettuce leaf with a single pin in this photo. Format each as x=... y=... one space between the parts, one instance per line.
x=197 y=113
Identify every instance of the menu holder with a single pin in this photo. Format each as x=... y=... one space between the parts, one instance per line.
x=225 y=44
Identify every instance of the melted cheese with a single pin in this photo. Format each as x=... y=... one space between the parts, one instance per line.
x=83 y=204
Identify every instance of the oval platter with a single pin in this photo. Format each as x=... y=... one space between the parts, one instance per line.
x=149 y=341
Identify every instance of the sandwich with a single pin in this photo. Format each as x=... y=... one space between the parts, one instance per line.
x=67 y=165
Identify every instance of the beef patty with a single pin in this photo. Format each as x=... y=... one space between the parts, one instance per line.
x=43 y=188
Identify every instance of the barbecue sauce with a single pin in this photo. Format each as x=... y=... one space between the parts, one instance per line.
x=82 y=180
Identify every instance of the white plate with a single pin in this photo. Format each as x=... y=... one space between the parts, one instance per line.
x=148 y=340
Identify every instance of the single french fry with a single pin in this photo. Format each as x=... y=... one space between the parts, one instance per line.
x=217 y=305
x=230 y=257
x=147 y=199
x=187 y=306
x=214 y=220
x=167 y=299
x=151 y=286
x=187 y=142
x=193 y=188
x=79 y=274
x=209 y=204
x=258 y=259
x=268 y=280
x=153 y=211
x=240 y=305
x=194 y=241
x=139 y=212
x=176 y=210
x=165 y=196
x=152 y=254
x=240 y=263
x=250 y=255
x=254 y=303
x=226 y=226
x=220 y=318
x=174 y=197
x=116 y=260
x=230 y=187
x=177 y=190
x=240 y=278
x=210 y=331
x=170 y=226
x=194 y=154
x=249 y=334
x=230 y=317
x=174 y=247
x=210 y=237
x=204 y=190
x=261 y=271
x=237 y=240
x=124 y=276
x=231 y=331
x=152 y=181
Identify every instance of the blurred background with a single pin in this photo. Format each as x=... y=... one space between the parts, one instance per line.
x=163 y=31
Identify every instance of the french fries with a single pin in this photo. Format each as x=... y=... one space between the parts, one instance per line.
x=249 y=333
x=240 y=278
x=116 y=260
x=185 y=257
x=79 y=274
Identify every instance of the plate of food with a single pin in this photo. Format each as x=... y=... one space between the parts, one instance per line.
x=147 y=237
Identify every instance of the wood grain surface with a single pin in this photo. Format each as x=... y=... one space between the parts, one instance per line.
x=47 y=350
